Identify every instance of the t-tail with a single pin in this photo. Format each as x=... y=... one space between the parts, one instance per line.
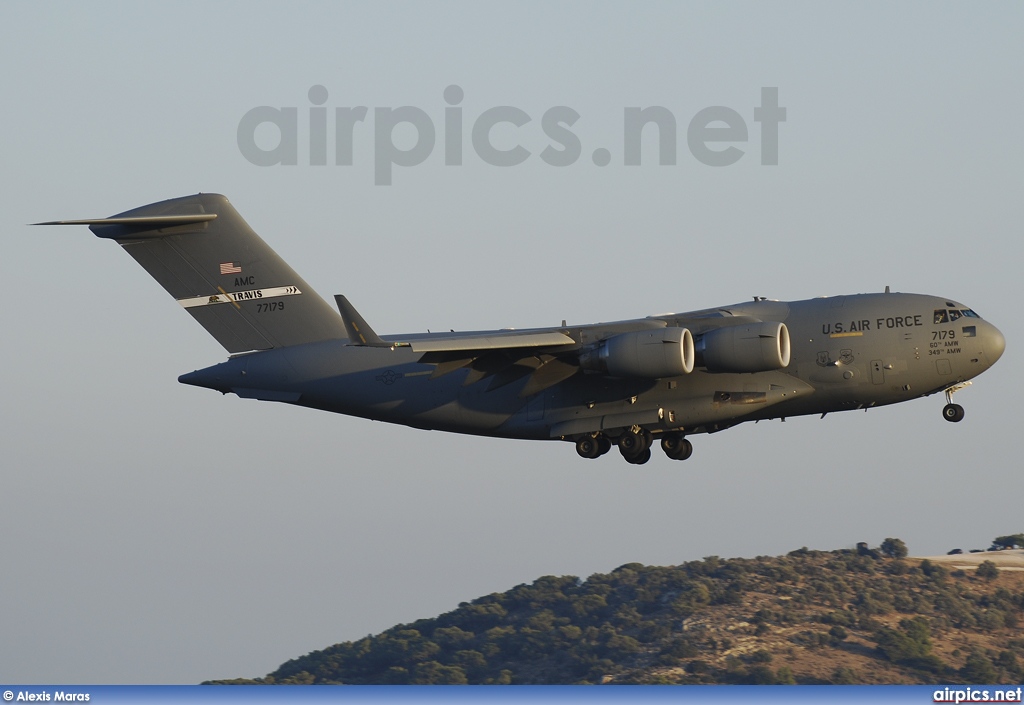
x=208 y=258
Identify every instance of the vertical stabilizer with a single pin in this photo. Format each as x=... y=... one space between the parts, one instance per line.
x=208 y=258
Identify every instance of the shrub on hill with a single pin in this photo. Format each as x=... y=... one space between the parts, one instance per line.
x=708 y=621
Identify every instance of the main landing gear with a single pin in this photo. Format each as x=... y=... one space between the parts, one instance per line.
x=953 y=412
x=634 y=445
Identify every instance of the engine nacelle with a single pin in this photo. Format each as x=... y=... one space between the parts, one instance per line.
x=750 y=347
x=648 y=354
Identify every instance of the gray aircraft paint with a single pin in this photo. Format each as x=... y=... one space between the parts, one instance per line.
x=289 y=345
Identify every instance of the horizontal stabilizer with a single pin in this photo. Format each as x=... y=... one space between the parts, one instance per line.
x=155 y=221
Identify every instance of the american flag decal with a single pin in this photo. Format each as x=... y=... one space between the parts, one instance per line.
x=229 y=268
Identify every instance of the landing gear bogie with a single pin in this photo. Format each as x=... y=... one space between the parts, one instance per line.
x=593 y=446
x=676 y=447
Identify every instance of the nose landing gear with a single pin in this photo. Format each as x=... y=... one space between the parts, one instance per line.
x=953 y=412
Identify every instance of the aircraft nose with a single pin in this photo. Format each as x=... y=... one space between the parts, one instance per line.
x=995 y=343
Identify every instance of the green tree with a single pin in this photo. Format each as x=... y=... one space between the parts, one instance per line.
x=304 y=678
x=759 y=675
x=434 y=673
x=1007 y=660
x=504 y=678
x=844 y=675
x=396 y=675
x=910 y=646
x=1011 y=541
x=987 y=570
x=933 y=571
x=978 y=669
x=472 y=662
x=893 y=548
x=784 y=676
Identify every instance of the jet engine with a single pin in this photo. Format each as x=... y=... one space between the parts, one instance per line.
x=750 y=347
x=649 y=354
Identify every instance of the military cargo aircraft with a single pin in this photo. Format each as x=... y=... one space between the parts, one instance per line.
x=627 y=383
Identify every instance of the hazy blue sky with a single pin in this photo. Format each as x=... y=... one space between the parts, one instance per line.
x=153 y=532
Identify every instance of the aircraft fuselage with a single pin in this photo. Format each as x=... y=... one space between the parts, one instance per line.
x=847 y=352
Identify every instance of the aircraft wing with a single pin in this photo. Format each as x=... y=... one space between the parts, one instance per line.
x=504 y=356
x=474 y=344
x=501 y=340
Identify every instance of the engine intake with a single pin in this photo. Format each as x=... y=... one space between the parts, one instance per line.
x=649 y=354
x=750 y=347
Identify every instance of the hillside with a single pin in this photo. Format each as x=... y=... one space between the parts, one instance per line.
x=846 y=616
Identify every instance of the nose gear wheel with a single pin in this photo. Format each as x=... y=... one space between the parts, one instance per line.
x=953 y=412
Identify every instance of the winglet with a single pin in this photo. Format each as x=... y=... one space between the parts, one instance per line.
x=359 y=331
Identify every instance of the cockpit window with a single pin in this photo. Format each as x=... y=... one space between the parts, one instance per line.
x=950 y=315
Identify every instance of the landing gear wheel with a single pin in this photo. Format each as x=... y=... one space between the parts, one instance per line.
x=676 y=447
x=588 y=447
x=631 y=444
x=640 y=459
x=604 y=445
x=953 y=412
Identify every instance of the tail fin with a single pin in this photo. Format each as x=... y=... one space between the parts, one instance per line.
x=202 y=252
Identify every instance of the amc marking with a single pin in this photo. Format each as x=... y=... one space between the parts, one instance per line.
x=237 y=297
